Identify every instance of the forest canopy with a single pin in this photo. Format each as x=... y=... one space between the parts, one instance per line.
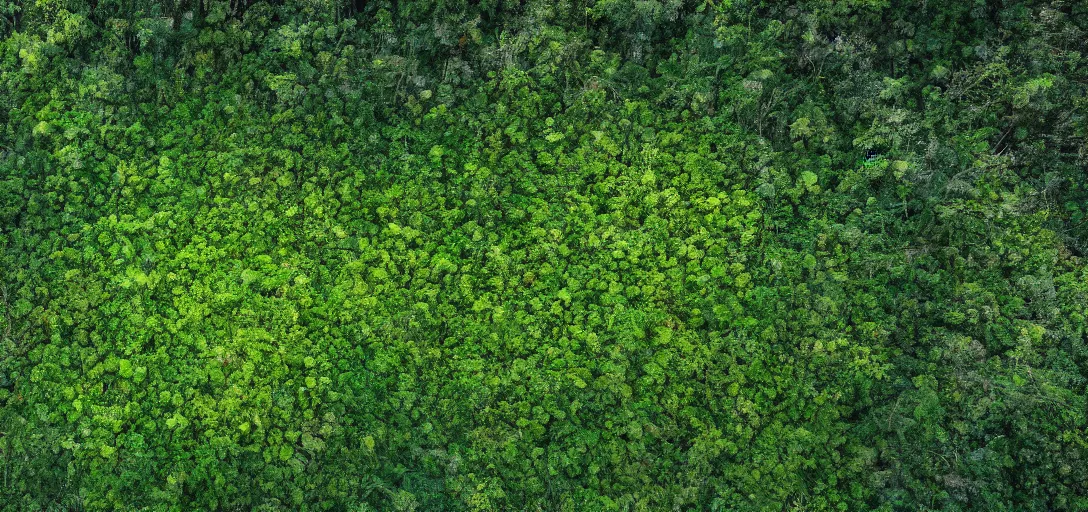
x=573 y=255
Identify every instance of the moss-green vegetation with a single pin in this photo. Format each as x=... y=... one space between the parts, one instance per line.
x=578 y=255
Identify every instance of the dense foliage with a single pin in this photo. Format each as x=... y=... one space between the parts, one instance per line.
x=543 y=255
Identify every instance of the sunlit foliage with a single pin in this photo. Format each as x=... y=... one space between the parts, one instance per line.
x=564 y=255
